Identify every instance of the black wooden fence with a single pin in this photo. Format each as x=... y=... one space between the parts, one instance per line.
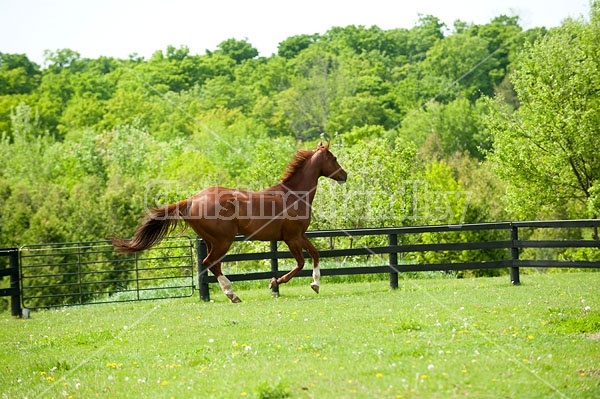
x=502 y=250
x=80 y=273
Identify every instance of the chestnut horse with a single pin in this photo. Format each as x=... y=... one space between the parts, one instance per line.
x=278 y=213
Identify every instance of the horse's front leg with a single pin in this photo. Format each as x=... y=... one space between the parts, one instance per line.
x=295 y=247
x=314 y=254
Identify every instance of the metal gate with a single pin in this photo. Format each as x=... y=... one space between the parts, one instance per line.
x=92 y=272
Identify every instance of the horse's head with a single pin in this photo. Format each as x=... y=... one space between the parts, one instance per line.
x=330 y=166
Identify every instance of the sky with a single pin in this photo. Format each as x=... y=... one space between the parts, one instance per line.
x=120 y=28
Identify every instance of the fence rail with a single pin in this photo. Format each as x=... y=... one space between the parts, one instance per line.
x=510 y=246
x=49 y=275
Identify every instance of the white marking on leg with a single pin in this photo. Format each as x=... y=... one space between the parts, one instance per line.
x=226 y=286
x=315 y=284
x=316 y=275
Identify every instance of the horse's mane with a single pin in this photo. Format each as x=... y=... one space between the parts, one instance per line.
x=296 y=164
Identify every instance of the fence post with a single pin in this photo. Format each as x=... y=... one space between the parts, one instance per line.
x=202 y=270
x=514 y=255
x=15 y=284
x=393 y=241
x=274 y=267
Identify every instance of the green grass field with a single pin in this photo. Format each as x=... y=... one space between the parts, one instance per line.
x=431 y=338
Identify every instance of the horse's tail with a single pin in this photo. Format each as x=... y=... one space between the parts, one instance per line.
x=161 y=222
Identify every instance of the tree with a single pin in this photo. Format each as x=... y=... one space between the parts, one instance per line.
x=293 y=45
x=52 y=96
x=548 y=151
x=239 y=50
x=18 y=75
x=502 y=35
x=307 y=102
x=424 y=35
x=360 y=39
x=446 y=129
x=176 y=70
x=61 y=59
x=463 y=60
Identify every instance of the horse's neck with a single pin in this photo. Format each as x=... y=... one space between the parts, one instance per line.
x=303 y=182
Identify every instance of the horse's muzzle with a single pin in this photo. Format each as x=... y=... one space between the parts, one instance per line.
x=341 y=179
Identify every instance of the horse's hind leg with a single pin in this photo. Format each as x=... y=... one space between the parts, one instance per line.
x=227 y=288
x=213 y=262
x=314 y=254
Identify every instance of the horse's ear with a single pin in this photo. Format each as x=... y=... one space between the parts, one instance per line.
x=320 y=144
x=327 y=145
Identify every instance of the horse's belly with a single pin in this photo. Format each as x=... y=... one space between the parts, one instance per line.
x=261 y=230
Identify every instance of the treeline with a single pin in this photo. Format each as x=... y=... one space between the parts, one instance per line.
x=88 y=144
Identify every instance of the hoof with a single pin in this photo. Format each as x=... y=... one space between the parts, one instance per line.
x=273 y=283
x=315 y=287
x=234 y=298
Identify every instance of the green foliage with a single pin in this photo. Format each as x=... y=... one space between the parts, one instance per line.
x=548 y=150
x=293 y=45
x=359 y=134
x=267 y=390
x=442 y=130
x=87 y=144
x=382 y=190
x=423 y=36
x=238 y=50
x=464 y=58
x=18 y=75
x=444 y=200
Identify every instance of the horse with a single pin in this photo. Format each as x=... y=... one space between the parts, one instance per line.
x=217 y=214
